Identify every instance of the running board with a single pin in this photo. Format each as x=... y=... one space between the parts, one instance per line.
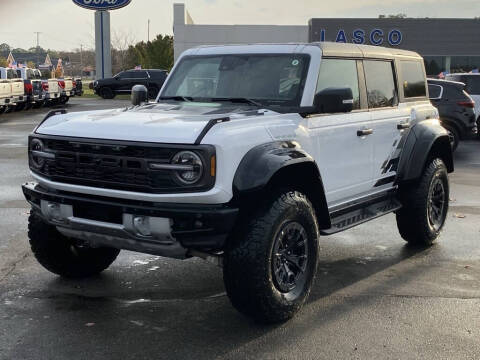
x=346 y=219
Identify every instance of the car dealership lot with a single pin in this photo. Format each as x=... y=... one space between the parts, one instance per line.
x=374 y=297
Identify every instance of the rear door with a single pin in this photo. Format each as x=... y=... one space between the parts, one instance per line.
x=387 y=118
x=343 y=156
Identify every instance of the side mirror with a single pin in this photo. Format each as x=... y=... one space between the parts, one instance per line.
x=334 y=100
x=139 y=94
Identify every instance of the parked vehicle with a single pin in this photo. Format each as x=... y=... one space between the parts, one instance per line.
x=51 y=90
x=78 y=87
x=123 y=82
x=33 y=87
x=250 y=154
x=472 y=82
x=5 y=95
x=66 y=88
x=18 y=98
x=456 y=109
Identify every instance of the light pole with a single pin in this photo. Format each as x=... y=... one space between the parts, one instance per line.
x=38 y=46
x=148 y=31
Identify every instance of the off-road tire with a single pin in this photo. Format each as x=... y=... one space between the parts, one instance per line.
x=106 y=93
x=19 y=106
x=413 y=221
x=248 y=262
x=59 y=255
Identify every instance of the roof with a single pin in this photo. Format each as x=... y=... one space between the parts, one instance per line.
x=328 y=49
x=445 y=82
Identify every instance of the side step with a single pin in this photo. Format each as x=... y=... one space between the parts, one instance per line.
x=347 y=218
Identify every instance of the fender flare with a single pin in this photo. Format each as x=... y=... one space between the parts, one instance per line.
x=261 y=163
x=422 y=139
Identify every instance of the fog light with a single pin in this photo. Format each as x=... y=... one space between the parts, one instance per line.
x=141 y=224
x=53 y=210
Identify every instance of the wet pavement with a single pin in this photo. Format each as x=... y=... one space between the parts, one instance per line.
x=374 y=297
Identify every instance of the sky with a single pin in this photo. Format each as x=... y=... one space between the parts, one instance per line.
x=65 y=26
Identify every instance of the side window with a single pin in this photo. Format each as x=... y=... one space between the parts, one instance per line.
x=435 y=91
x=126 y=75
x=139 y=74
x=381 y=90
x=413 y=79
x=339 y=73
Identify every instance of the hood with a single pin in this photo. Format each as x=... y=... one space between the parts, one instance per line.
x=161 y=123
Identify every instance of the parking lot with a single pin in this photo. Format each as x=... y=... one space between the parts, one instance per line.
x=374 y=297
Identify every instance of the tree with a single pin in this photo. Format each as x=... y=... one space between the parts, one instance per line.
x=121 y=41
x=3 y=62
x=394 y=16
x=156 y=54
x=31 y=64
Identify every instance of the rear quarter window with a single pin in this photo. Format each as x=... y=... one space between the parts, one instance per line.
x=473 y=84
x=435 y=91
x=413 y=79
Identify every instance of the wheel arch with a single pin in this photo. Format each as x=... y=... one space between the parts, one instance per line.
x=426 y=140
x=281 y=164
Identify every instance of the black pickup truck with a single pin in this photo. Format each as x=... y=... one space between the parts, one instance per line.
x=123 y=82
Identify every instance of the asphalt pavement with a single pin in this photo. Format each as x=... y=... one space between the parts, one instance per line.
x=374 y=297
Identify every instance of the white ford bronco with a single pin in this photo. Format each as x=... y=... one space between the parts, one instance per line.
x=246 y=158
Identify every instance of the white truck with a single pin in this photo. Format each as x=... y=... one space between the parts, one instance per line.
x=5 y=94
x=248 y=155
x=18 y=98
x=33 y=87
x=67 y=90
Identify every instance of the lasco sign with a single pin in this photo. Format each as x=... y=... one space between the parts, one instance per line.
x=102 y=4
x=375 y=37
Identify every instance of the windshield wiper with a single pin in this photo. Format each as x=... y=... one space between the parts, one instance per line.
x=177 y=98
x=238 y=100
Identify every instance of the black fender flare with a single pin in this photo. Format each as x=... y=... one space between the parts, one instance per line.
x=423 y=138
x=261 y=163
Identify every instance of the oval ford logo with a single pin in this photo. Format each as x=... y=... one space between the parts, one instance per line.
x=102 y=4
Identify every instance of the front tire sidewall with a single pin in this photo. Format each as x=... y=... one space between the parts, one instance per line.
x=248 y=273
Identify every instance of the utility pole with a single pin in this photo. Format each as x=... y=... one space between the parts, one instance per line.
x=81 y=60
x=38 y=46
x=148 y=31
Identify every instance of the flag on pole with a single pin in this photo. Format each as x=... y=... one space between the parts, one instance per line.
x=138 y=67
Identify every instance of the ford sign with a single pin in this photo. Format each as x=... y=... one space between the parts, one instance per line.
x=102 y=4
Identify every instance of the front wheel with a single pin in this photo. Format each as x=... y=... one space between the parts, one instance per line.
x=425 y=205
x=270 y=264
x=62 y=256
x=106 y=93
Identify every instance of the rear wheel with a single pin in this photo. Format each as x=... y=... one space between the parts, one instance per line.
x=425 y=205
x=152 y=92
x=106 y=93
x=29 y=105
x=62 y=256
x=270 y=263
x=38 y=104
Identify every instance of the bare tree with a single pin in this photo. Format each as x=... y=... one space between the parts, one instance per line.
x=121 y=40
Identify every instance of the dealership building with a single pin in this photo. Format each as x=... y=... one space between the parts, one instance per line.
x=451 y=45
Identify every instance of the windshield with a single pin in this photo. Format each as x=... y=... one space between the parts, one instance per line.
x=260 y=79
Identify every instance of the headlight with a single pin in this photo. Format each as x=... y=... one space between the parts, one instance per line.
x=36 y=147
x=193 y=167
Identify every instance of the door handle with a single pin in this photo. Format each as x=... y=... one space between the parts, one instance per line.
x=403 y=126
x=364 y=132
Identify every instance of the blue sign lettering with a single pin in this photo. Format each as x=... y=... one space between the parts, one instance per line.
x=102 y=4
x=394 y=37
x=376 y=37
x=359 y=36
x=341 y=38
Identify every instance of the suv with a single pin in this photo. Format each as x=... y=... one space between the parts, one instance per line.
x=472 y=82
x=123 y=82
x=456 y=109
x=249 y=155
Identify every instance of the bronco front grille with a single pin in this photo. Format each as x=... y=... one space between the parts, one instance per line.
x=117 y=165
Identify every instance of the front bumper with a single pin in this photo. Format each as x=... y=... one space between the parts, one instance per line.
x=101 y=221
x=51 y=96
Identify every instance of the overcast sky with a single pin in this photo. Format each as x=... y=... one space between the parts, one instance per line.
x=65 y=26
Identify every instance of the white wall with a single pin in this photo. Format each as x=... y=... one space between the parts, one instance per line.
x=187 y=34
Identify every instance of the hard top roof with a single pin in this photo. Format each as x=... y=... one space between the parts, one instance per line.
x=328 y=49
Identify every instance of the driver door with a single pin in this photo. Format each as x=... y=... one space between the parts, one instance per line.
x=344 y=149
